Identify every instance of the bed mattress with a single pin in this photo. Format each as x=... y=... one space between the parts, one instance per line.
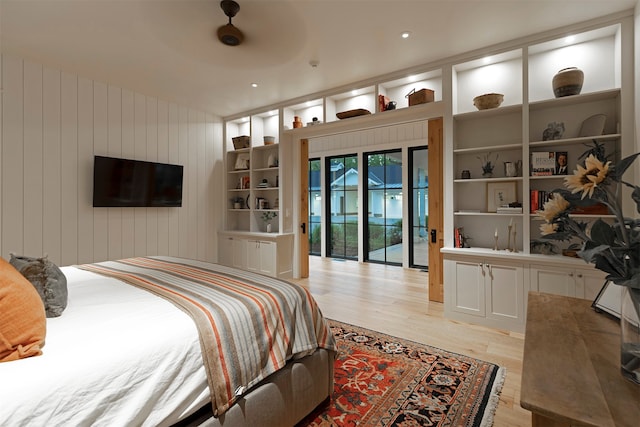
x=108 y=324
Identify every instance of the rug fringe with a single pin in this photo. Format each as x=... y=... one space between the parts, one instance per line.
x=494 y=398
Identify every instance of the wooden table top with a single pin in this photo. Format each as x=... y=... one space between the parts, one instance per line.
x=571 y=365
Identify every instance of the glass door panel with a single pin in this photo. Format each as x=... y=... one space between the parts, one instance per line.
x=341 y=175
x=315 y=207
x=384 y=207
x=419 y=206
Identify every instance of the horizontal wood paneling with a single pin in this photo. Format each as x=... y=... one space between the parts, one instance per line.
x=364 y=140
x=53 y=123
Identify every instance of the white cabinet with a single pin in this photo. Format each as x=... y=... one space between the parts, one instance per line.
x=573 y=282
x=265 y=253
x=261 y=256
x=488 y=292
x=468 y=285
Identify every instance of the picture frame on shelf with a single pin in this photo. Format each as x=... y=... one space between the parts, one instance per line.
x=500 y=194
x=242 y=162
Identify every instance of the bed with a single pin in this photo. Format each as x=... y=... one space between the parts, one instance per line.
x=122 y=355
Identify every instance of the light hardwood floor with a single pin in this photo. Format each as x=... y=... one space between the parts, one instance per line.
x=395 y=301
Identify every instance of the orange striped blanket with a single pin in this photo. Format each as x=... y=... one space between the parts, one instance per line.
x=249 y=325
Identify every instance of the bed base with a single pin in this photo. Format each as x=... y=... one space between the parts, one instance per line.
x=282 y=399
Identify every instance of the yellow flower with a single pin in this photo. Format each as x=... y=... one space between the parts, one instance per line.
x=547 y=228
x=586 y=178
x=555 y=206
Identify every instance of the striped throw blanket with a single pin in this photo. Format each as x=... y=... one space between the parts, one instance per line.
x=250 y=325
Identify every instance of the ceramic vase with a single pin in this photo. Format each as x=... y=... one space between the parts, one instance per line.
x=630 y=334
x=568 y=81
x=268 y=227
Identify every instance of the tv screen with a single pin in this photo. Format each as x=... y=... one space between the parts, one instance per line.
x=133 y=183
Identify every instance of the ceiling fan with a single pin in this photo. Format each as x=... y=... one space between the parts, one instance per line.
x=228 y=34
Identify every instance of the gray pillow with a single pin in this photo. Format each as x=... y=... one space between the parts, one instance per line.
x=48 y=280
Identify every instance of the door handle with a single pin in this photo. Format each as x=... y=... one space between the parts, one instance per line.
x=304 y=227
x=433 y=235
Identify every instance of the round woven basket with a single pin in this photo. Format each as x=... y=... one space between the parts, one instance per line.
x=488 y=100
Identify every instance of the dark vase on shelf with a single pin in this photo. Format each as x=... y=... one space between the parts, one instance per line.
x=567 y=82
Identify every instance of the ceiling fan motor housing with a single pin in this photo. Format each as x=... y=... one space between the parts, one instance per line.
x=228 y=34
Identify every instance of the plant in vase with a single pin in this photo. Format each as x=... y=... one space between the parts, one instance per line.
x=487 y=164
x=613 y=248
x=267 y=217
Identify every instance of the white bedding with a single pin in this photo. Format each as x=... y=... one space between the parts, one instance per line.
x=90 y=371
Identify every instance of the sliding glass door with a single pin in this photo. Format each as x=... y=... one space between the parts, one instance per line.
x=383 y=184
x=419 y=207
x=341 y=180
x=315 y=207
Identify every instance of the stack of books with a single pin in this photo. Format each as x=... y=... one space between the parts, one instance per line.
x=506 y=209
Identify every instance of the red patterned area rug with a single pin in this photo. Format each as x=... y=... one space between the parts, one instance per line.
x=382 y=380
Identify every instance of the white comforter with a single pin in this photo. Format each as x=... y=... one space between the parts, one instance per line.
x=117 y=356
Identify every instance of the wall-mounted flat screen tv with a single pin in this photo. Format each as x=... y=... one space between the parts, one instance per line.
x=134 y=183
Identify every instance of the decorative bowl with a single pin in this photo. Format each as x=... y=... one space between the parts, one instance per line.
x=268 y=140
x=352 y=113
x=488 y=101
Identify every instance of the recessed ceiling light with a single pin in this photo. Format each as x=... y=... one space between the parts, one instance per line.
x=254 y=84
x=569 y=39
x=405 y=34
x=486 y=60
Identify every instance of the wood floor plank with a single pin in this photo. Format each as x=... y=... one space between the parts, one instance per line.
x=395 y=301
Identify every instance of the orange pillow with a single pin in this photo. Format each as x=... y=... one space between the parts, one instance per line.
x=22 y=316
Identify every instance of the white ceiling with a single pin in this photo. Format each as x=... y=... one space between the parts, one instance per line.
x=168 y=48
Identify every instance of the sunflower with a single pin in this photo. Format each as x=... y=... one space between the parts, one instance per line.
x=547 y=228
x=553 y=207
x=586 y=178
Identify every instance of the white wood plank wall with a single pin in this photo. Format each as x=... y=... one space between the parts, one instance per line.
x=380 y=138
x=53 y=123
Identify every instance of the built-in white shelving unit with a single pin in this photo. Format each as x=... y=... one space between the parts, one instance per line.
x=481 y=284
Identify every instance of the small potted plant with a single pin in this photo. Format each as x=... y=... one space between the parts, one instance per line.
x=237 y=202
x=267 y=217
x=487 y=165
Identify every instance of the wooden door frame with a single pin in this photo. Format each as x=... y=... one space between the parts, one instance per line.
x=436 y=209
x=303 y=216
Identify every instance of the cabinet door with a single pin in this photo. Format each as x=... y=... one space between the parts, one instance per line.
x=239 y=253
x=225 y=256
x=252 y=252
x=468 y=293
x=553 y=280
x=267 y=258
x=505 y=291
x=592 y=281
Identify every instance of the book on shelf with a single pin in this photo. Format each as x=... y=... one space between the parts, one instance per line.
x=458 y=237
x=538 y=199
x=543 y=163
x=509 y=210
x=245 y=182
x=561 y=163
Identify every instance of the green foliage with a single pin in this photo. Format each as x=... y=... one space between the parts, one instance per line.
x=613 y=248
